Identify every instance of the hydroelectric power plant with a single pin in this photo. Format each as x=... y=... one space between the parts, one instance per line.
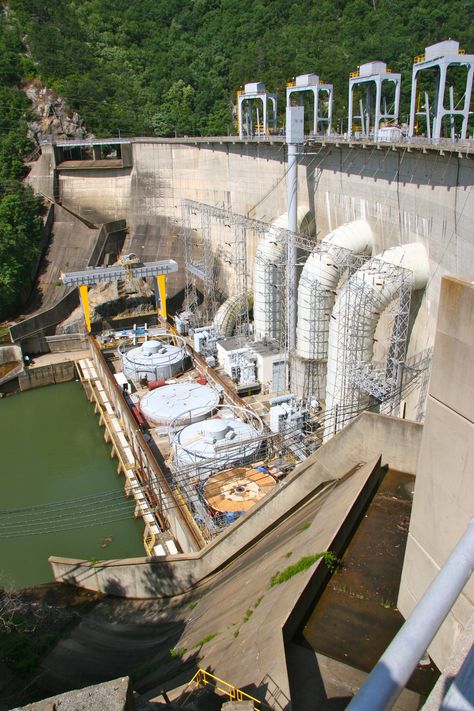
x=307 y=288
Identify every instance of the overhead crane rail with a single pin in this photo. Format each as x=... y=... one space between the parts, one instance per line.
x=119 y=272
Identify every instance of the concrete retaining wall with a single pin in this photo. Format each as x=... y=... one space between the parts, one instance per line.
x=142 y=577
x=182 y=526
x=11 y=354
x=443 y=501
x=46 y=375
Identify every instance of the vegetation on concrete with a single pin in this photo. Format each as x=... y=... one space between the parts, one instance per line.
x=304 y=526
x=205 y=640
x=303 y=564
x=178 y=651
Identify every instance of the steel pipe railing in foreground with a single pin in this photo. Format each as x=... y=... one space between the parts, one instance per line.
x=392 y=672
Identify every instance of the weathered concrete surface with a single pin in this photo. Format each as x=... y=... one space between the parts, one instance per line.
x=363 y=440
x=113 y=695
x=444 y=487
x=461 y=663
x=237 y=622
x=405 y=195
x=10 y=355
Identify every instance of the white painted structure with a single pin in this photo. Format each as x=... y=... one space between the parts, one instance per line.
x=269 y=276
x=442 y=56
x=153 y=360
x=374 y=109
x=231 y=437
x=322 y=121
x=319 y=279
x=355 y=335
x=175 y=401
x=251 y=96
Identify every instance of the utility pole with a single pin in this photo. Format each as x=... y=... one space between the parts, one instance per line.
x=294 y=137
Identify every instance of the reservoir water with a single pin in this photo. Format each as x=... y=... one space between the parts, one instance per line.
x=60 y=494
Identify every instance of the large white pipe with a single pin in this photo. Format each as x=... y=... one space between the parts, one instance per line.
x=269 y=278
x=319 y=279
x=228 y=313
x=354 y=320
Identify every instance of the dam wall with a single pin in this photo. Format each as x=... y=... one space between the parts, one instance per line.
x=370 y=437
x=406 y=193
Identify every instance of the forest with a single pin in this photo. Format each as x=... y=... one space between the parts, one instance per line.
x=172 y=68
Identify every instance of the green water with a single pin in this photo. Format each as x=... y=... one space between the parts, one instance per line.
x=53 y=453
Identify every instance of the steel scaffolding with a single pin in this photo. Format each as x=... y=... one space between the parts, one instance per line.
x=363 y=381
x=219 y=241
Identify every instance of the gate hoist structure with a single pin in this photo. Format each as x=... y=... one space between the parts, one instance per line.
x=322 y=122
x=373 y=110
x=441 y=56
x=129 y=267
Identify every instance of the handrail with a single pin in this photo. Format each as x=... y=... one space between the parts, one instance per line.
x=392 y=672
x=205 y=678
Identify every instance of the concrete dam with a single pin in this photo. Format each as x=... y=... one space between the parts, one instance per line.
x=409 y=209
x=406 y=193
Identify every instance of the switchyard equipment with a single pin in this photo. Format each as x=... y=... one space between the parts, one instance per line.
x=253 y=124
x=441 y=56
x=205 y=343
x=129 y=267
x=373 y=110
x=153 y=359
x=322 y=119
x=287 y=413
x=179 y=403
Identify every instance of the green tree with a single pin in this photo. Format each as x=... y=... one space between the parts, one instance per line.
x=176 y=113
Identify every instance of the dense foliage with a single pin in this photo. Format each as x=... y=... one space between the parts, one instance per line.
x=20 y=223
x=173 y=67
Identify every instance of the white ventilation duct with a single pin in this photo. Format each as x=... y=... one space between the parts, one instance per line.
x=354 y=320
x=319 y=279
x=228 y=313
x=269 y=277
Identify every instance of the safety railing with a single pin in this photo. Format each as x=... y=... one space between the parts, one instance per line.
x=149 y=540
x=216 y=685
x=391 y=673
